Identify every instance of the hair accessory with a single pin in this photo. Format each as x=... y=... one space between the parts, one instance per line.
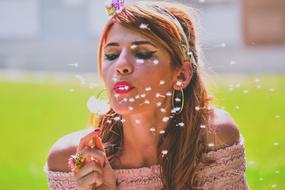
x=114 y=6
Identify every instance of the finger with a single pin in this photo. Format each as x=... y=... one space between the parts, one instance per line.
x=93 y=178
x=88 y=168
x=95 y=154
x=86 y=139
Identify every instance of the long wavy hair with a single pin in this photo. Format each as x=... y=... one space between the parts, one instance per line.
x=184 y=144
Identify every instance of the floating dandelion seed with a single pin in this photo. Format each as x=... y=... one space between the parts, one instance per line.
x=271 y=89
x=245 y=91
x=134 y=46
x=130 y=108
x=237 y=107
x=148 y=88
x=275 y=143
x=164 y=152
x=181 y=124
x=231 y=88
x=202 y=1
x=177 y=100
x=256 y=80
x=137 y=96
x=158 y=104
x=123 y=120
x=140 y=61
x=144 y=26
x=197 y=108
x=137 y=121
x=277 y=171
x=97 y=106
x=261 y=179
x=73 y=65
x=117 y=118
x=223 y=45
x=274 y=185
x=81 y=79
x=71 y=90
x=179 y=83
x=232 y=62
x=165 y=119
x=203 y=126
x=161 y=131
x=115 y=79
x=168 y=93
x=92 y=85
x=277 y=116
x=161 y=82
x=162 y=110
x=131 y=100
x=155 y=62
x=146 y=101
x=152 y=129
x=237 y=85
x=258 y=86
x=157 y=95
x=210 y=144
x=143 y=95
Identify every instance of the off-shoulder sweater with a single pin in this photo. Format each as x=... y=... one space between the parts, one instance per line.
x=227 y=172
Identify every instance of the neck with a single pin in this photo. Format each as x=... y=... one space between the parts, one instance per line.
x=142 y=135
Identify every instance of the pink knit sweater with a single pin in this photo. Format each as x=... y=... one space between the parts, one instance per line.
x=226 y=173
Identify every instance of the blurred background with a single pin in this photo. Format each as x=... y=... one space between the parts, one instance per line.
x=48 y=70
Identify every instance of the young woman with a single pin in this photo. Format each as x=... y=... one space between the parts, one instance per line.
x=161 y=131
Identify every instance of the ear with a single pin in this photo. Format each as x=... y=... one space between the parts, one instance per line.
x=183 y=76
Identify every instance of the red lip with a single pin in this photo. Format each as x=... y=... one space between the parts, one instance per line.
x=122 y=87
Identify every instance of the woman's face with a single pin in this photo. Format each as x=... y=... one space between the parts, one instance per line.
x=137 y=72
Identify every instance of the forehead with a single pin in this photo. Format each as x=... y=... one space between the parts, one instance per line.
x=123 y=35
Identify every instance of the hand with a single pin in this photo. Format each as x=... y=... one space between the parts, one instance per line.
x=96 y=170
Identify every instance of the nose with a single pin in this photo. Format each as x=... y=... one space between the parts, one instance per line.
x=123 y=64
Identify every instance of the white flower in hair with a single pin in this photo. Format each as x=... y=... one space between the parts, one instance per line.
x=97 y=106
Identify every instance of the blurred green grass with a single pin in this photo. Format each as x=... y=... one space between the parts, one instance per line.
x=34 y=115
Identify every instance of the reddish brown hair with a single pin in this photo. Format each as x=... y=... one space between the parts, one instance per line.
x=184 y=144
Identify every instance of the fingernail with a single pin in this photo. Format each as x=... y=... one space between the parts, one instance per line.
x=98 y=130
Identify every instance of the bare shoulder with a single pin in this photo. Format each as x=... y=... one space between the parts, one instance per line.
x=62 y=149
x=223 y=131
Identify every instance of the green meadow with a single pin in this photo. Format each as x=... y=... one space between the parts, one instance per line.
x=34 y=114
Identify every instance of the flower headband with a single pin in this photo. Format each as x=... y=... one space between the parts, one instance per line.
x=115 y=6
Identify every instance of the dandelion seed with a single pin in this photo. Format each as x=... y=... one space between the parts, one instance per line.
x=137 y=96
x=210 y=144
x=223 y=45
x=274 y=185
x=261 y=179
x=143 y=95
x=134 y=46
x=164 y=152
x=148 y=89
x=237 y=85
x=130 y=108
x=152 y=129
x=158 y=104
x=71 y=90
x=165 y=119
x=258 y=86
x=168 y=93
x=73 y=65
x=256 y=80
x=277 y=116
x=237 y=107
x=161 y=131
x=92 y=85
x=232 y=62
x=137 y=121
x=245 y=91
x=179 y=83
x=197 y=108
x=140 y=61
x=275 y=143
x=177 y=99
x=155 y=62
x=271 y=89
x=131 y=100
x=81 y=79
x=144 y=26
x=157 y=95
x=161 y=82
x=162 y=110
x=203 y=126
x=123 y=120
x=202 y=1
x=181 y=124
x=277 y=171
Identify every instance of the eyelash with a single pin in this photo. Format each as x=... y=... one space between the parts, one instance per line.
x=140 y=55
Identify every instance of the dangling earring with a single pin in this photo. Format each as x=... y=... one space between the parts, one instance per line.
x=177 y=96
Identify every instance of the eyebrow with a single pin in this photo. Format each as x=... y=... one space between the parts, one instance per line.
x=133 y=43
